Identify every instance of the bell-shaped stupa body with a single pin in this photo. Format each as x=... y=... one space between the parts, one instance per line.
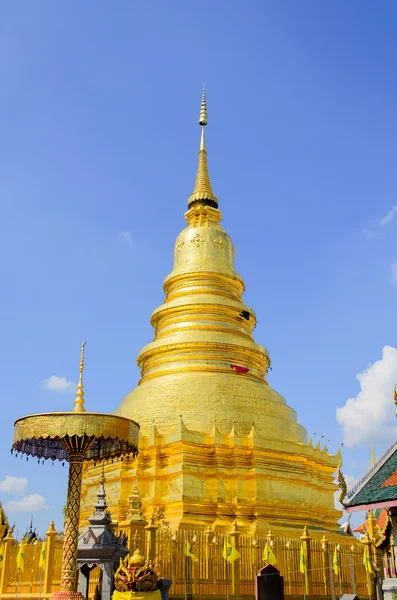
x=217 y=442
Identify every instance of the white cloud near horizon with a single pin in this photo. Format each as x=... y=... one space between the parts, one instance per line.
x=124 y=237
x=388 y=218
x=14 y=485
x=369 y=417
x=61 y=385
x=32 y=503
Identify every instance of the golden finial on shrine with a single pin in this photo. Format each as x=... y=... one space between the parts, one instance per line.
x=203 y=121
x=395 y=394
x=79 y=402
x=202 y=192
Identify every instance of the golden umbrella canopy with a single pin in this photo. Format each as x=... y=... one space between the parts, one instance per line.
x=75 y=436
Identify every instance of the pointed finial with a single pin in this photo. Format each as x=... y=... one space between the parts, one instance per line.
x=203 y=121
x=395 y=394
x=202 y=193
x=79 y=402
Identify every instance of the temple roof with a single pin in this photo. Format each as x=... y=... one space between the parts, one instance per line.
x=381 y=516
x=378 y=487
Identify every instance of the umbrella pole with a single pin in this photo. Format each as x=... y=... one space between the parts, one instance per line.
x=69 y=553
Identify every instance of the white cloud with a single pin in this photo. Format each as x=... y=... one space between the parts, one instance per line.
x=388 y=218
x=58 y=384
x=369 y=417
x=393 y=277
x=32 y=503
x=124 y=237
x=14 y=485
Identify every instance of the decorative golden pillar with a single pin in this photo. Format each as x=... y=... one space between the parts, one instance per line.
x=7 y=543
x=49 y=562
x=135 y=522
x=289 y=568
x=235 y=535
x=305 y=539
x=69 y=555
x=151 y=528
x=75 y=436
x=370 y=577
x=324 y=548
x=392 y=556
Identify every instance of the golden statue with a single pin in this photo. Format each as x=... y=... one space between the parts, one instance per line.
x=136 y=574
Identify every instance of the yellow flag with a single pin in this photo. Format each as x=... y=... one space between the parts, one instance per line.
x=335 y=562
x=367 y=560
x=42 y=555
x=190 y=552
x=229 y=552
x=1 y=554
x=302 y=559
x=269 y=557
x=20 y=561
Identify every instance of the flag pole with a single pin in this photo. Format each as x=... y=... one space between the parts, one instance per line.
x=17 y=584
x=184 y=552
x=227 y=569
x=304 y=584
x=41 y=582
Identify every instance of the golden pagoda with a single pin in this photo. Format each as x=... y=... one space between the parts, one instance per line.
x=217 y=444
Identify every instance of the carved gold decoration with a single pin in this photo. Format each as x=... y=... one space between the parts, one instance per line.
x=197 y=240
x=69 y=557
x=341 y=484
x=41 y=435
x=136 y=575
x=219 y=241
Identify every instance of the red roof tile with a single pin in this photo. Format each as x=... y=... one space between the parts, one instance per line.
x=392 y=480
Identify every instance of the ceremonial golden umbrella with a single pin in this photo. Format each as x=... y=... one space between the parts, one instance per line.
x=75 y=437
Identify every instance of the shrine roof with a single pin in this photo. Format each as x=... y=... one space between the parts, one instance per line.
x=381 y=516
x=378 y=487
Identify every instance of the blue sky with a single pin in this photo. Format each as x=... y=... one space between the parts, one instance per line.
x=99 y=106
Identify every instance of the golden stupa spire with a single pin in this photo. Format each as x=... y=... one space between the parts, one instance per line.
x=79 y=402
x=202 y=192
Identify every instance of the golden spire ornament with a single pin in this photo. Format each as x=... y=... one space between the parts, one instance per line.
x=79 y=402
x=202 y=192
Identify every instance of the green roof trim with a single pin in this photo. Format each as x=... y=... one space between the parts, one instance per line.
x=369 y=489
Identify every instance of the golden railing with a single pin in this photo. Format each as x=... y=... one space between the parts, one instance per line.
x=211 y=575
